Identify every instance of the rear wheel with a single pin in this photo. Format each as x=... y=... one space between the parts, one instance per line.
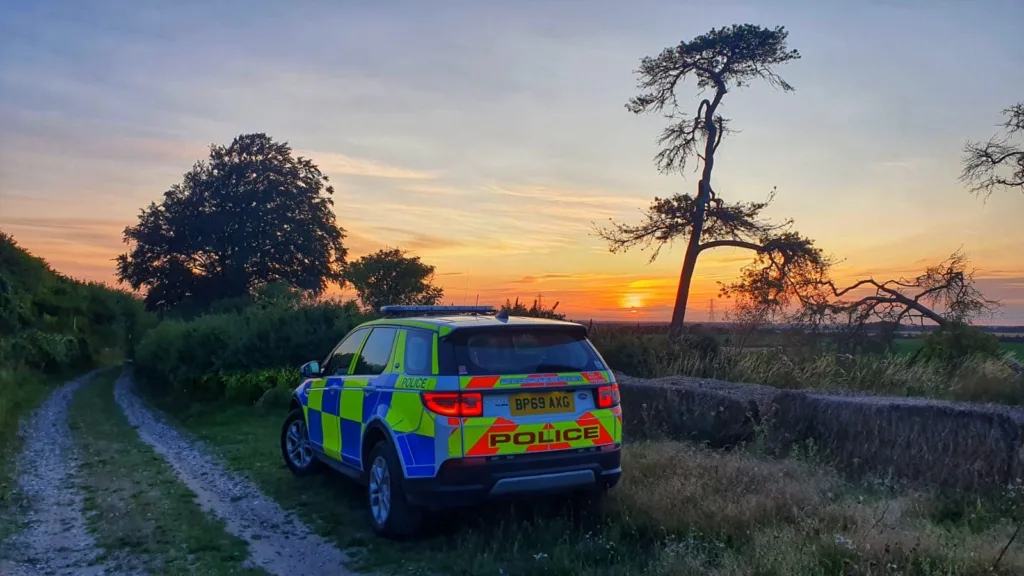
x=295 y=446
x=390 y=512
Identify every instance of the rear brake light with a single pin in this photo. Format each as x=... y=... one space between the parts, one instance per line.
x=608 y=396
x=454 y=404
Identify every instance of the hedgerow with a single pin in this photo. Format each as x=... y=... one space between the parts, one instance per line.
x=238 y=355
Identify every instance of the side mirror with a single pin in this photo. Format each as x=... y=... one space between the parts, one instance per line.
x=310 y=369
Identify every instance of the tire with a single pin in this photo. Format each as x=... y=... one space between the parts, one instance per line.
x=295 y=446
x=389 y=511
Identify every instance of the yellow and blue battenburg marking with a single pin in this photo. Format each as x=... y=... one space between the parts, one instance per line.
x=338 y=411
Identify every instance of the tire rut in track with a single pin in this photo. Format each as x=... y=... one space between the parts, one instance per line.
x=278 y=542
x=55 y=539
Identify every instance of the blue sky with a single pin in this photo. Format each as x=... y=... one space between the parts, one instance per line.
x=487 y=136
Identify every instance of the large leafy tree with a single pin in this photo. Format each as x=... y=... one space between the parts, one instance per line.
x=390 y=276
x=250 y=215
x=998 y=163
x=717 y=62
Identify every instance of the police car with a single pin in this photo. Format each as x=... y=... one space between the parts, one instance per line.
x=440 y=406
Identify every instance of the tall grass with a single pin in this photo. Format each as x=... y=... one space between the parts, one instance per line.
x=739 y=513
x=977 y=378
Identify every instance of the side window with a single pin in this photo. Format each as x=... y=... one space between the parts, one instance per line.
x=341 y=358
x=376 y=353
x=419 y=352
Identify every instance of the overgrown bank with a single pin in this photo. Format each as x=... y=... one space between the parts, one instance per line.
x=52 y=327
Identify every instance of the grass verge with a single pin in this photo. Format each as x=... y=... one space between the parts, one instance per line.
x=135 y=505
x=680 y=509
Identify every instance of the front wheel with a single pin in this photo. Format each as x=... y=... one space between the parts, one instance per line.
x=391 y=514
x=295 y=446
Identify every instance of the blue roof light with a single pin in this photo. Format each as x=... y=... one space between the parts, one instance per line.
x=394 y=309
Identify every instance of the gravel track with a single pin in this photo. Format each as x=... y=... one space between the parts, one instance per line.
x=278 y=542
x=55 y=540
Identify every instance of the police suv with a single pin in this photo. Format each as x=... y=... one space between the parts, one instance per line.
x=440 y=406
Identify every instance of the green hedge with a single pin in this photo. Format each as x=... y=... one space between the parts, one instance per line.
x=216 y=357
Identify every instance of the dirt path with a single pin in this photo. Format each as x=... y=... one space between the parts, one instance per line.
x=278 y=542
x=55 y=540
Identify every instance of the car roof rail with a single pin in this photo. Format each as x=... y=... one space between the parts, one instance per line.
x=396 y=310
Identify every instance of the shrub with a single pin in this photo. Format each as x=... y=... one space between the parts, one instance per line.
x=956 y=342
x=248 y=387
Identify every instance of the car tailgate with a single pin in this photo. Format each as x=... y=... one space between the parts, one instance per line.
x=539 y=412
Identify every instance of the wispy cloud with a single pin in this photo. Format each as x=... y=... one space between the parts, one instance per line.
x=434 y=190
x=557 y=195
x=81 y=232
x=416 y=241
x=335 y=163
x=558 y=278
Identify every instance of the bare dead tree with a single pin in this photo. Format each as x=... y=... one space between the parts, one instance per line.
x=998 y=163
x=943 y=294
x=722 y=59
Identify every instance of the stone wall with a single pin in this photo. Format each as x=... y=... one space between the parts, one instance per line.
x=916 y=441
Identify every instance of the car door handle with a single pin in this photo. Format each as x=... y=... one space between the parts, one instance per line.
x=368 y=389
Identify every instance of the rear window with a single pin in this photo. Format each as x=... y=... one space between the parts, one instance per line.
x=523 y=351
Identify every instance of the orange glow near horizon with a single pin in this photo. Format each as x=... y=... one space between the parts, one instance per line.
x=632 y=290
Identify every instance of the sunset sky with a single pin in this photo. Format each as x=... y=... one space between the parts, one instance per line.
x=487 y=136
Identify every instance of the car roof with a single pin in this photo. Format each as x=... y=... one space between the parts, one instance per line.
x=447 y=324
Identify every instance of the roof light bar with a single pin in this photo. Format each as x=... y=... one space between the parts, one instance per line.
x=394 y=309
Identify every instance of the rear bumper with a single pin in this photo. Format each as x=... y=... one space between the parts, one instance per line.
x=467 y=481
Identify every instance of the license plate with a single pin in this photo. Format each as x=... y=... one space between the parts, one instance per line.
x=542 y=403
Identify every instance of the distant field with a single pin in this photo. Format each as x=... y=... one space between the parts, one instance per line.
x=909 y=345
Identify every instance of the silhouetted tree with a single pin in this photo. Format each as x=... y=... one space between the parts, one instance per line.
x=722 y=59
x=998 y=163
x=388 y=276
x=250 y=215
